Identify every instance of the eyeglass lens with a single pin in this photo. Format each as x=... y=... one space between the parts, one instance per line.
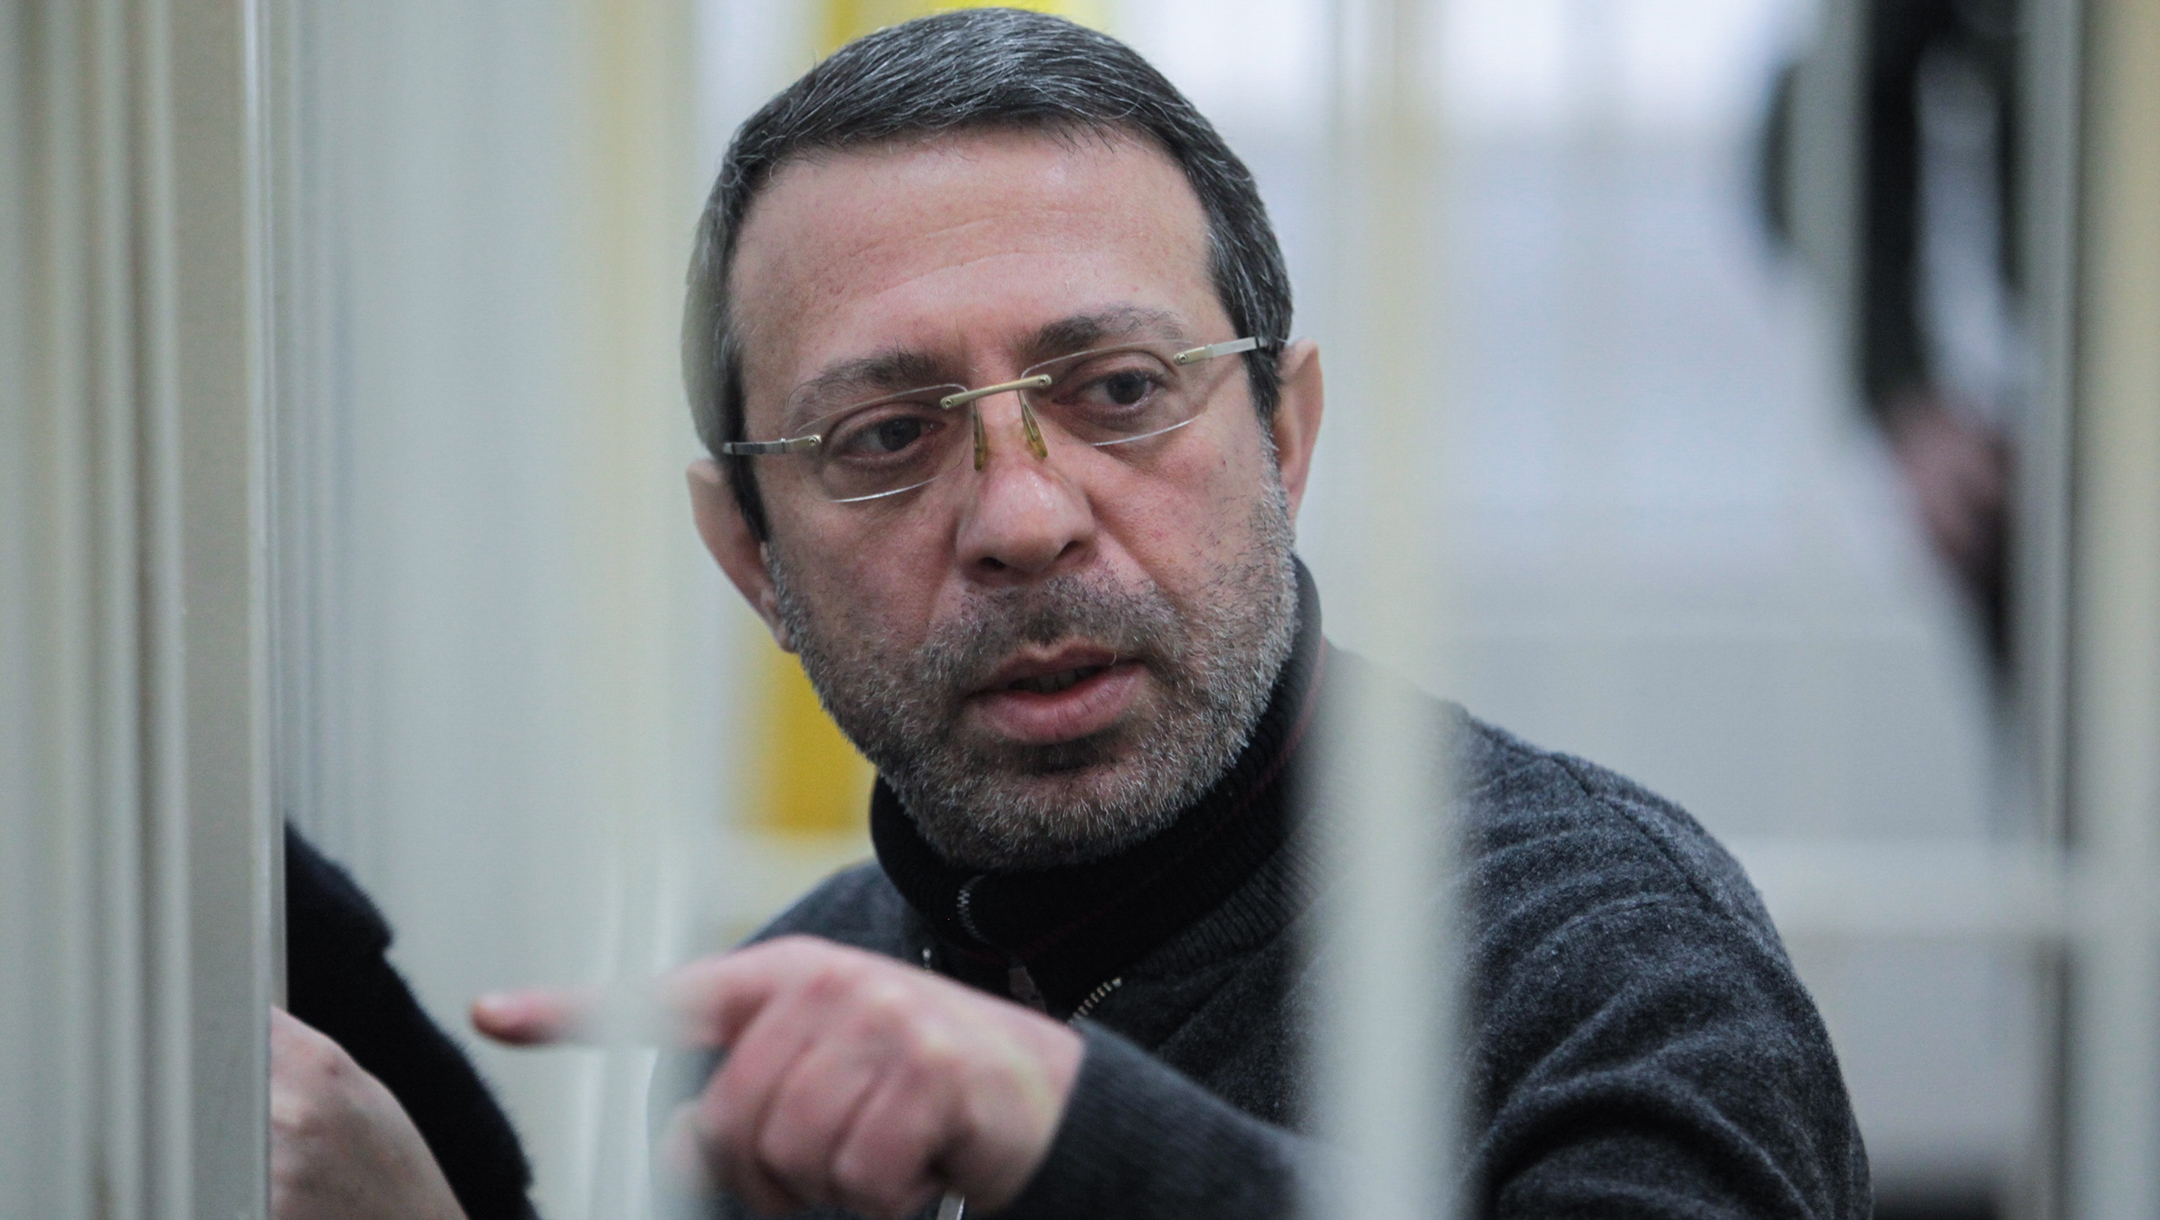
x=1110 y=396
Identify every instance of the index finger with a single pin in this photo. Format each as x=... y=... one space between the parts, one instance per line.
x=539 y=1016
x=705 y=1003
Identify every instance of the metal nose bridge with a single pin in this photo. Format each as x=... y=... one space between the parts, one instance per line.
x=970 y=398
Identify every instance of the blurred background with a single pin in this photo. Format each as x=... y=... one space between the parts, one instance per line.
x=1755 y=343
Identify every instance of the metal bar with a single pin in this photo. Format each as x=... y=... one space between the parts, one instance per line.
x=2050 y=110
x=2114 y=641
x=2039 y=589
x=1384 y=1051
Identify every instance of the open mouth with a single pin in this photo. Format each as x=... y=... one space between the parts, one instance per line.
x=1050 y=684
x=1075 y=692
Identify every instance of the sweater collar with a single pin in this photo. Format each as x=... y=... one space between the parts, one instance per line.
x=1065 y=930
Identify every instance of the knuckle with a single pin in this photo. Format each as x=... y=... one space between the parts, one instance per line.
x=933 y=1051
x=855 y=1182
x=316 y=1061
x=831 y=982
x=310 y=1115
x=868 y=1186
x=888 y=1012
x=295 y=1116
x=892 y=996
x=790 y=1155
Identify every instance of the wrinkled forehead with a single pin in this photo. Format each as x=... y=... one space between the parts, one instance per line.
x=958 y=251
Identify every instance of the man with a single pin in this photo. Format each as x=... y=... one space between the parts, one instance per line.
x=1052 y=597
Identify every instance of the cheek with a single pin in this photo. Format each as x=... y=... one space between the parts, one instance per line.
x=864 y=572
x=1184 y=519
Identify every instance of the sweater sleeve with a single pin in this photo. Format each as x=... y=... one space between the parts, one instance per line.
x=1645 y=1048
x=1141 y=1141
x=1647 y=1062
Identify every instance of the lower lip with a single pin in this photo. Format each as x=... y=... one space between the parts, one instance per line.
x=1083 y=709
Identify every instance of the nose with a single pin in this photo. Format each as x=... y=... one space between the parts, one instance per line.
x=1024 y=518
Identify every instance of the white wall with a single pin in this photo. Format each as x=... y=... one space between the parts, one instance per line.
x=505 y=680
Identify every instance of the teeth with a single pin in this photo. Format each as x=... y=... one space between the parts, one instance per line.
x=1050 y=684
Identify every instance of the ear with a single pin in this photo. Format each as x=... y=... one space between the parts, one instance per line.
x=720 y=523
x=1296 y=425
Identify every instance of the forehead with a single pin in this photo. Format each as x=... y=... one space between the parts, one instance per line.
x=960 y=248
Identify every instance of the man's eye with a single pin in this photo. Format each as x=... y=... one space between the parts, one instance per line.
x=1125 y=389
x=1116 y=389
x=883 y=436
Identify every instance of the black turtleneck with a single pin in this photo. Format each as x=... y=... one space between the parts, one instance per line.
x=1065 y=931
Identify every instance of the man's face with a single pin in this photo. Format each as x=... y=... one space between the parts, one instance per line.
x=1046 y=657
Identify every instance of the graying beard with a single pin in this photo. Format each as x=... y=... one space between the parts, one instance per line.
x=1037 y=806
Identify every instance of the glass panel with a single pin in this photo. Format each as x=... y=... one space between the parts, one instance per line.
x=1701 y=405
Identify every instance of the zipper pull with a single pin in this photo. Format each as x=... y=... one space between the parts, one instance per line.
x=1021 y=985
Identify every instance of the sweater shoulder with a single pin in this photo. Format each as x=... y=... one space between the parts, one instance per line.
x=1622 y=957
x=856 y=906
x=1534 y=814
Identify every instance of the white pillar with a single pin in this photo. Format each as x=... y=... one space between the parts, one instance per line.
x=135 y=826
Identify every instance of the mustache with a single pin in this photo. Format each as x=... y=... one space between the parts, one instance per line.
x=962 y=654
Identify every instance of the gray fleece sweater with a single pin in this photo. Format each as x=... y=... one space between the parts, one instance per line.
x=1639 y=1045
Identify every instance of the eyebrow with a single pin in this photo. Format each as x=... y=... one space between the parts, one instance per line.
x=1082 y=331
x=863 y=377
x=847 y=380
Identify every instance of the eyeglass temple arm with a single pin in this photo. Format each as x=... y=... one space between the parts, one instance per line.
x=1232 y=347
x=799 y=444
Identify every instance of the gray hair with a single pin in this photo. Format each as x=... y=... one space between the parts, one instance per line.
x=972 y=69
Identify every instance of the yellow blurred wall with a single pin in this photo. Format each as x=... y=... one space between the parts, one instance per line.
x=849 y=19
